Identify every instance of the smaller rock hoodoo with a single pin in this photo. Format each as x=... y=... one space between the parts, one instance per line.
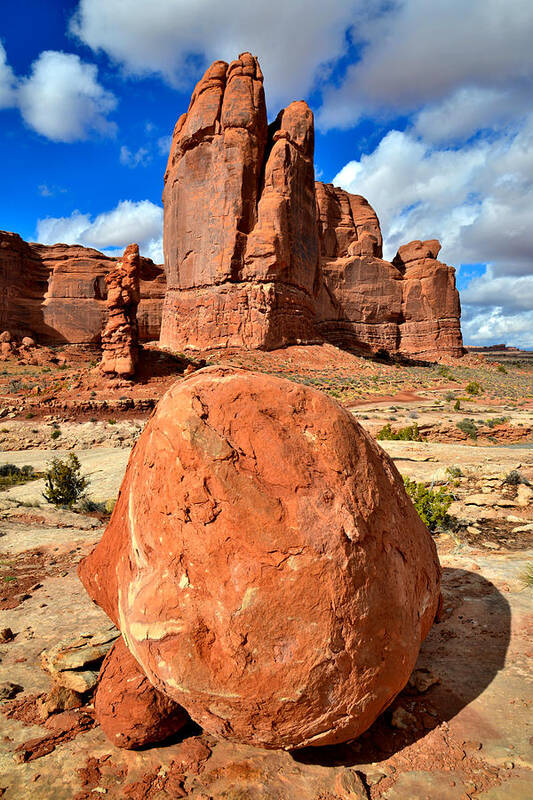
x=120 y=347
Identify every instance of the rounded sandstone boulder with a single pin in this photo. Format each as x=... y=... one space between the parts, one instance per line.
x=131 y=712
x=264 y=563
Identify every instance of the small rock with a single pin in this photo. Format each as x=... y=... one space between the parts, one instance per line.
x=6 y=635
x=349 y=786
x=60 y=699
x=403 y=719
x=422 y=679
x=524 y=496
x=5 y=336
x=9 y=690
x=508 y=764
x=27 y=341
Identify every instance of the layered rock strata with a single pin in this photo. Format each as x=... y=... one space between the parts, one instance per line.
x=264 y=564
x=259 y=256
x=120 y=337
x=57 y=293
x=241 y=253
x=410 y=306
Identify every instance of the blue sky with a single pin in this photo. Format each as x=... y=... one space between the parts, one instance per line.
x=422 y=106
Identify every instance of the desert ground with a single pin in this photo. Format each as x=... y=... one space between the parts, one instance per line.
x=460 y=729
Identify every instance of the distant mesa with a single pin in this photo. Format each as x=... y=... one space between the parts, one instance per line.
x=257 y=254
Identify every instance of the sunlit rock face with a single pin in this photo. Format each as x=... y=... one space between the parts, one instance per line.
x=264 y=564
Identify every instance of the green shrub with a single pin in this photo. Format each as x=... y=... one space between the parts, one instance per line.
x=64 y=483
x=468 y=426
x=457 y=405
x=10 y=474
x=501 y=368
x=86 y=505
x=527 y=575
x=431 y=504
x=56 y=433
x=449 y=396
x=473 y=388
x=497 y=421
x=408 y=434
x=454 y=472
x=514 y=478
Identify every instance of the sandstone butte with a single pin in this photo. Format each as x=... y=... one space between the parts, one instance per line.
x=257 y=254
x=120 y=350
x=265 y=566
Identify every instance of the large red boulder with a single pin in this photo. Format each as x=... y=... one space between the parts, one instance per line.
x=131 y=712
x=264 y=563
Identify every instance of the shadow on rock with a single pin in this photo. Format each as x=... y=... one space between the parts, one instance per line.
x=161 y=364
x=460 y=658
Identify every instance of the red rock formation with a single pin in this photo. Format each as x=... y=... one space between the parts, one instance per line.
x=241 y=253
x=120 y=348
x=367 y=304
x=131 y=712
x=431 y=309
x=57 y=292
x=264 y=563
x=257 y=257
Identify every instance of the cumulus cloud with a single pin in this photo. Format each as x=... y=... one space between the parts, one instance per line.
x=476 y=199
x=134 y=158
x=110 y=231
x=62 y=99
x=295 y=41
x=495 y=326
x=7 y=81
x=450 y=52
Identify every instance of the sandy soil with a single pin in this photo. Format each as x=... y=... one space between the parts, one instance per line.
x=468 y=735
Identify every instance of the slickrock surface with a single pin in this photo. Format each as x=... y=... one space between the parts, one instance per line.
x=131 y=712
x=264 y=564
x=57 y=292
x=241 y=254
x=120 y=349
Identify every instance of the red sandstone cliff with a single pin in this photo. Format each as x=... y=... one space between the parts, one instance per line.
x=241 y=253
x=409 y=306
x=58 y=292
x=257 y=255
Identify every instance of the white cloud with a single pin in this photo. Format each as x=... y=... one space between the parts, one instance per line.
x=62 y=99
x=163 y=145
x=294 y=40
x=7 y=81
x=476 y=199
x=111 y=231
x=49 y=191
x=495 y=326
x=134 y=158
x=415 y=53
